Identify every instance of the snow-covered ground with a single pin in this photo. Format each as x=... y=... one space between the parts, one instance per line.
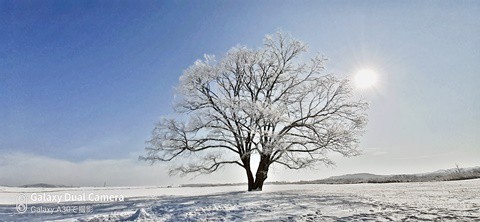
x=446 y=201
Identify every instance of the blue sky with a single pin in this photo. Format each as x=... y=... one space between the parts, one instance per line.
x=84 y=81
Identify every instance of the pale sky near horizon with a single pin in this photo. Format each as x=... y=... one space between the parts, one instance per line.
x=83 y=82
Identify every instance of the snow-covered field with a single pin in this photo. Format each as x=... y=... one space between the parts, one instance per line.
x=445 y=201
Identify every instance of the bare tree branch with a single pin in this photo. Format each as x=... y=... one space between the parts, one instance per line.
x=264 y=101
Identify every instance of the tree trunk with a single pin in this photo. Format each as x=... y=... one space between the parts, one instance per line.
x=262 y=173
x=251 y=181
x=248 y=170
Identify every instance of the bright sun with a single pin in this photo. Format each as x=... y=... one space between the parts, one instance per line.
x=365 y=78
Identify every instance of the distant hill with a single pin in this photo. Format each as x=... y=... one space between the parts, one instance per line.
x=440 y=175
x=358 y=176
x=42 y=185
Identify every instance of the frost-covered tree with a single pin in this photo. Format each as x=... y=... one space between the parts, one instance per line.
x=264 y=102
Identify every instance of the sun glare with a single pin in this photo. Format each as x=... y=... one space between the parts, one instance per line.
x=365 y=78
